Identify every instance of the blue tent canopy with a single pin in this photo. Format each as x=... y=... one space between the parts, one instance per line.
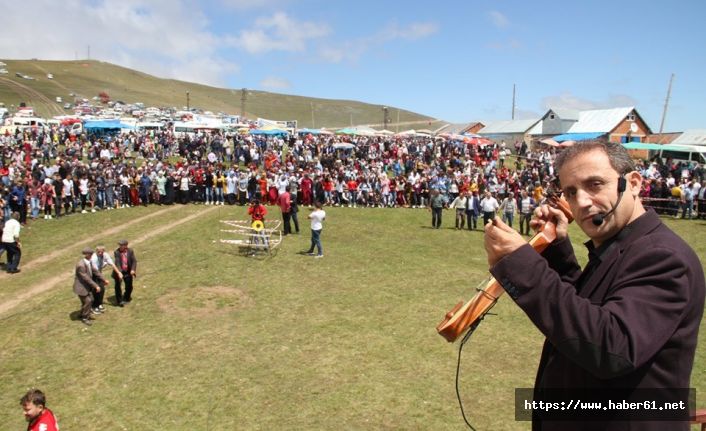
x=273 y=132
x=309 y=131
x=578 y=136
x=105 y=124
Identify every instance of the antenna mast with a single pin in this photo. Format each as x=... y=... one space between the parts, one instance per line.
x=666 y=105
x=513 y=101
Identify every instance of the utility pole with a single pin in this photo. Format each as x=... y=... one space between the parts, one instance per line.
x=88 y=52
x=187 y=101
x=398 y=121
x=666 y=105
x=243 y=98
x=513 y=101
x=384 y=117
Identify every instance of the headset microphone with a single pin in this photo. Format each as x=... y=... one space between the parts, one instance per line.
x=599 y=218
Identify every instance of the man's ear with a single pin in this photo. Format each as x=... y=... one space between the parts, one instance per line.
x=634 y=180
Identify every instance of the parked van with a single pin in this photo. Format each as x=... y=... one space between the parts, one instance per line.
x=148 y=126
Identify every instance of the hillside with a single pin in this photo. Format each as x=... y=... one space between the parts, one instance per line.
x=87 y=78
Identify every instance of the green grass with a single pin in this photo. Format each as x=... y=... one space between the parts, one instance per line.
x=214 y=340
x=87 y=78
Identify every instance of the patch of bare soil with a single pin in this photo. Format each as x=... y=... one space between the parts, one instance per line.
x=204 y=301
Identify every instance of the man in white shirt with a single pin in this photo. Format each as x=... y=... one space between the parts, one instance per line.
x=488 y=205
x=100 y=260
x=317 y=218
x=11 y=242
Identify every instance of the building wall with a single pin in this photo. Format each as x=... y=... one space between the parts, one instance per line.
x=623 y=129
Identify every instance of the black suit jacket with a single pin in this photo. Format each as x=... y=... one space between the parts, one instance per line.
x=131 y=261
x=633 y=324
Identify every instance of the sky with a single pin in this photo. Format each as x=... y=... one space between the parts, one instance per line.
x=453 y=60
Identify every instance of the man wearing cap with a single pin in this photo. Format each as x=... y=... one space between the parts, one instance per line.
x=85 y=286
x=126 y=262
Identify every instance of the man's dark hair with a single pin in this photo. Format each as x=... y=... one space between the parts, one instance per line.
x=617 y=154
x=34 y=396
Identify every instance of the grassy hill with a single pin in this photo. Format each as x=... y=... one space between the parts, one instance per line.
x=87 y=78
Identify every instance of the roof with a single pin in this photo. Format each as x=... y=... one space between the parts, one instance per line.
x=600 y=120
x=691 y=137
x=565 y=114
x=577 y=136
x=456 y=128
x=666 y=147
x=507 y=127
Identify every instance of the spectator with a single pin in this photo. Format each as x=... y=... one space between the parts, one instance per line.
x=317 y=217
x=436 y=206
x=473 y=210
x=489 y=206
x=285 y=205
x=526 y=206
x=11 y=243
x=508 y=207
x=460 y=204
x=36 y=412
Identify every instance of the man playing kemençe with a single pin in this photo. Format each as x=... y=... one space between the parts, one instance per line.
x=630 y=319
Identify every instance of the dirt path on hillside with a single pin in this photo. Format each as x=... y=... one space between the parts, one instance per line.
x=64 y=276
x=49 y=257
x=31 y=95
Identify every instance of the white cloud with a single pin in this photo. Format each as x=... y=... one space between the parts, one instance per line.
x=140 y=34
x=332 y=55
x=570 y=101
x=498 y=19
x=275 y=83
x=251 y=4
x=507 y=45
x=352 y=50
x=279 y=32
x=526 y=114
x=413 y=31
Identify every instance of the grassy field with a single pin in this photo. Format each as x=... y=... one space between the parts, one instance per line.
x=87 y=78
x=215 y=340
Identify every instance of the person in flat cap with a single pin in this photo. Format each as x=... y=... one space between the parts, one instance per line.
x=86 y=283
x=126 y=262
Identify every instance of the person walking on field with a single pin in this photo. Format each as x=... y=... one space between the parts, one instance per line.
x=11 y=243
x=85 y=286
x=285 y=204
x=100 y=260
x=317 y=217
x=126 y=261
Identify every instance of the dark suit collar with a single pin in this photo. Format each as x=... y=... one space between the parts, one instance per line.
x=642 y=225
x=602 y=258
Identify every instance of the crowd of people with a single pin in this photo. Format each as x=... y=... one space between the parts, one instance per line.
x=50 y=174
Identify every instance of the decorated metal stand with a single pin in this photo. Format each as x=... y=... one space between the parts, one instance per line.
x=254 y=238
